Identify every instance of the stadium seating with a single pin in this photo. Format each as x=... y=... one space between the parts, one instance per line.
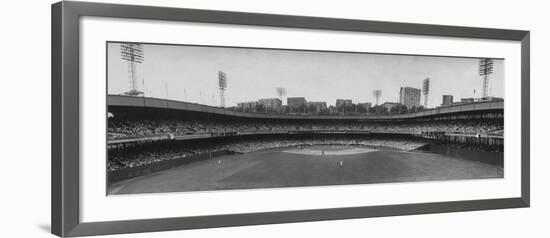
x=121 y=127
x=127 y=127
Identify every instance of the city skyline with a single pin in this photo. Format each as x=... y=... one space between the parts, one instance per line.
x=190 y=73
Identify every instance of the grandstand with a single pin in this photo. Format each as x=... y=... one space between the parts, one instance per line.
x=146 y=135
x=137 y=117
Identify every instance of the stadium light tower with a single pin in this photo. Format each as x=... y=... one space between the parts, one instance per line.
x=377 y=94
x=485 y=70
x=281 y=93
x=132 y=53
x=222 y=85
x=426 y=91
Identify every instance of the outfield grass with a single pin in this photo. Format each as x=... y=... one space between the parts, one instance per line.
x=277 y=168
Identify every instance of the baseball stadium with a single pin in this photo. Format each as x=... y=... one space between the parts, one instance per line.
x=160 y=145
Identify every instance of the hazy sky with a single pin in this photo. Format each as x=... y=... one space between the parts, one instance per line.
x=190 y=73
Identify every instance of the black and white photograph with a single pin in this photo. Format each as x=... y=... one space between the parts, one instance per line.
x=272 y=119
x=199 y=118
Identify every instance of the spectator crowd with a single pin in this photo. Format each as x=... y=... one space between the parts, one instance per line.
x=120 y=127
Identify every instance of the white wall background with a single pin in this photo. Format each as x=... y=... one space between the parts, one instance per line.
x=25 y=114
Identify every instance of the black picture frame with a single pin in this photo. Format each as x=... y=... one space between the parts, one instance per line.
x=65 y=118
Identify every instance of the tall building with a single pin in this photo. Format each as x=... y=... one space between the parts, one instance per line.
x=247 y=106
x=332 y=110
x=467 y=100
x=271 y=104
x=365 y=105
x=343 y=102
x=319 y=106
x=426 y=91
x=447 y=100
x=389 y=105
x=409 y=97
x=296 y=103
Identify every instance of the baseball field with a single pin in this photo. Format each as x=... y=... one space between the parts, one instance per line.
x=317 y=165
